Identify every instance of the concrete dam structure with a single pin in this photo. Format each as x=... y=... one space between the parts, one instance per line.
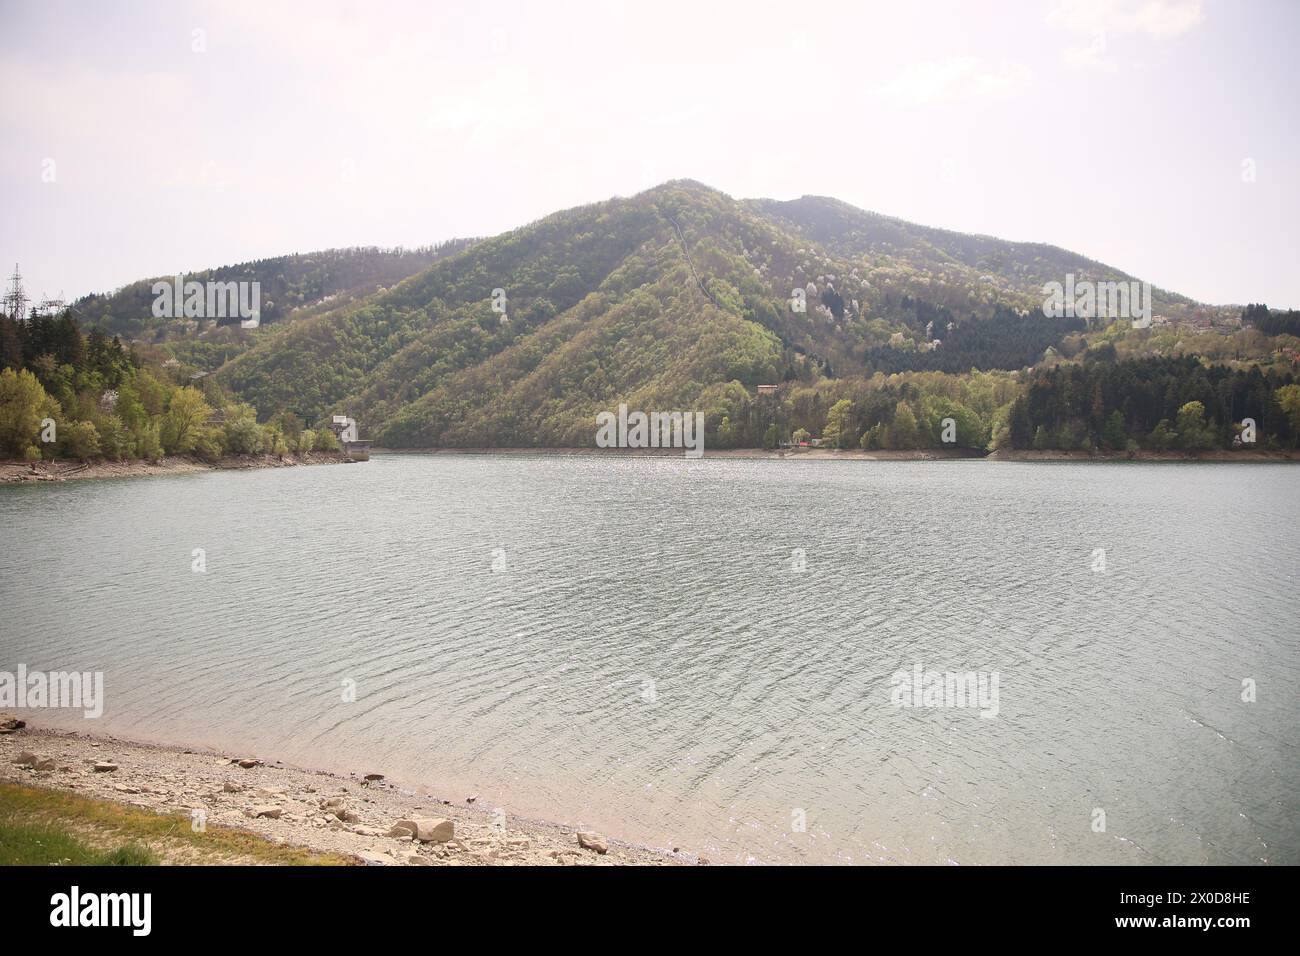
x=345 y=429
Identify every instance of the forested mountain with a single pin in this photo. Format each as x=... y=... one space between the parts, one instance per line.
x=287 y=283
x=676 y=297
x=876 y=331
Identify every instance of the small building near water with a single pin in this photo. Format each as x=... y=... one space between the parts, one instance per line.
x=345 y=429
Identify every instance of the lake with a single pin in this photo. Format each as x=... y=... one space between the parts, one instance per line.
x=706 y=654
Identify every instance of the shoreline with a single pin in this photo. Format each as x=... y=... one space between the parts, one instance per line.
x=102 y=468
x=856 y=454
x=317 y=810
x=19 y=472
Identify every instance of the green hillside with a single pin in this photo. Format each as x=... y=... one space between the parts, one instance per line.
x=663 y=300
x=678 y=297
x=682 y=298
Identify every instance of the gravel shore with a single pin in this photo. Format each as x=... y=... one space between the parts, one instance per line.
x=351 y=815
x=64 y=470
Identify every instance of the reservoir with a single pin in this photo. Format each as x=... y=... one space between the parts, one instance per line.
x=706 y=654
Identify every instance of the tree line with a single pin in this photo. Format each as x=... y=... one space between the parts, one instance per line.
x=68 y=394
x=1155 y=403
x=1269 y=322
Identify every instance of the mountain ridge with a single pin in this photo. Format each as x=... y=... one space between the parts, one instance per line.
x=421 y=362
x=676 y=296
x=869 y=331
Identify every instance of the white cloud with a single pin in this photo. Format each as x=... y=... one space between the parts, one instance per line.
x=1099 y=20
x=953 y=79
x=1155 y=18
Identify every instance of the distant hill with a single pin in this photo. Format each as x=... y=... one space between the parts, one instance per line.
x=887 y=243
x=288 y=283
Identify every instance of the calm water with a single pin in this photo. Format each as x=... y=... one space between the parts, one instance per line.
x=648 y=659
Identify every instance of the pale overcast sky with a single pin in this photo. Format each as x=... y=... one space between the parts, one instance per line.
x=1121 y=130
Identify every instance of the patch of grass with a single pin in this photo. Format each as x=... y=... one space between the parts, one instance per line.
x=34 y=844
x=133 y=854
x=37 y=827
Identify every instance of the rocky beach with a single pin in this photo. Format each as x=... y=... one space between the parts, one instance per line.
x=60 y=470
x=363 y=818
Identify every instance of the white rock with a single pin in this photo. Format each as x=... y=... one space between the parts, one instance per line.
x=429 y=829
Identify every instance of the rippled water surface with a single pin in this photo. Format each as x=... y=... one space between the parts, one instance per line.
x=648 y=658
